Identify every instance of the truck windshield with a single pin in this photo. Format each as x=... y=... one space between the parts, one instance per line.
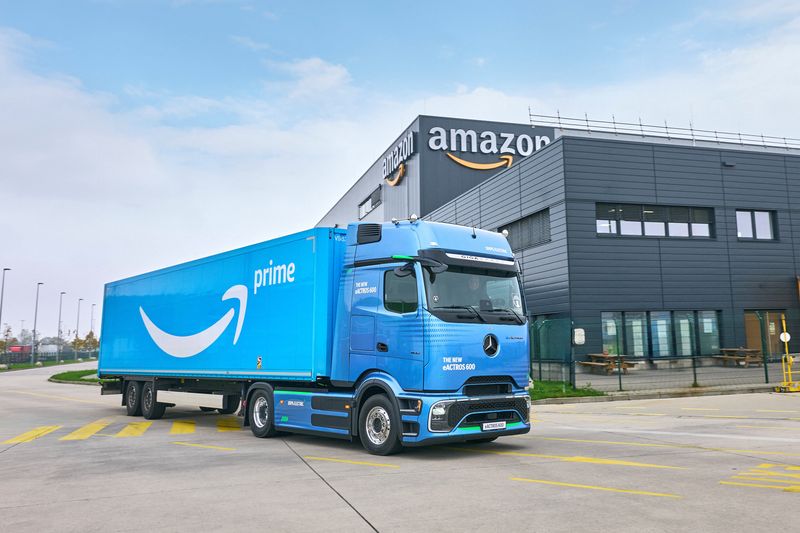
x=463 y=294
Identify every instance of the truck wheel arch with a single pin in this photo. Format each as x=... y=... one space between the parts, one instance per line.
x=369 y=388
x=258 y=385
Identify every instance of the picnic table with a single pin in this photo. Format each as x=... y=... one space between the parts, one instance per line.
x=740 y=356
x=607 y=362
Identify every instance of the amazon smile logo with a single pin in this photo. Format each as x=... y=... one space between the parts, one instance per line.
x=505 y=145
x=190 y=345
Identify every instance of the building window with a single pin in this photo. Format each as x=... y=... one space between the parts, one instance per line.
x=655 y=334
x=372 y=201
x=755 y=225
x=399 y=292
x=612 y=324
x=661 y=331
x=531 y=230
x=654 y=220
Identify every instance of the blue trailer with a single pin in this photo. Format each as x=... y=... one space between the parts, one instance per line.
x=399 y=334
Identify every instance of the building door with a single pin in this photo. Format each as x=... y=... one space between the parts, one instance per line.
x=762 y=330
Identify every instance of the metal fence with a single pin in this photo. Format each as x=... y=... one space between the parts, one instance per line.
x=553 y=358
x=67 y=355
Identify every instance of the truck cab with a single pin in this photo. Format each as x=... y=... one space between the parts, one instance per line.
x=432 y=316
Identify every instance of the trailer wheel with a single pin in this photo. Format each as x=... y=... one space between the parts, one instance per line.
x=133 y=398
x=151 y=409
x=260 y=413
x=379 y=426
x=230 y=404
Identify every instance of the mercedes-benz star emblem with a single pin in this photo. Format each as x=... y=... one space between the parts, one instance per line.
x=490 y=345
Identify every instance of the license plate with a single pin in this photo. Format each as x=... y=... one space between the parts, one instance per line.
x=487 y=426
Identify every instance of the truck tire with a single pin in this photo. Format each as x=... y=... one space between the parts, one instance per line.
x=133 y=398
x=151 y=409
x=379 y=426
x=230 y=404
x=261 y=414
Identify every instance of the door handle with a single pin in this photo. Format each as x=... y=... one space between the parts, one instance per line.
x=382 y=347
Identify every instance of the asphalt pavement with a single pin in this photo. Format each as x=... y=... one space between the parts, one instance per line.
x=70 y=460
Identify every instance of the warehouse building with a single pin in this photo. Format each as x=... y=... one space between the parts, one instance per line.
x=658 y=244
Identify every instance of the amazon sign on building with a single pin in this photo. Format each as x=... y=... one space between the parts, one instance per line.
x=433 y=161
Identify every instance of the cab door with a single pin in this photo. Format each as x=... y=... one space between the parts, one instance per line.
x=399 y=340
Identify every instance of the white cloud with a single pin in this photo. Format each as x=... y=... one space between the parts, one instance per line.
x=249 y=43
x=91 y=194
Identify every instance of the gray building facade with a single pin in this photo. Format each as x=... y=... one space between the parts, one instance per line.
x=656 y=247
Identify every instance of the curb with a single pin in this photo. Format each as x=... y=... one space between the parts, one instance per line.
x=82 y=382
x=657 y=394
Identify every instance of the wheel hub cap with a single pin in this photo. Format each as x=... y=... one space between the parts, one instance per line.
x=260 y=415
x=378 y=425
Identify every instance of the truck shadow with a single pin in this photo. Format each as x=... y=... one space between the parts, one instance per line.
x=423 y=453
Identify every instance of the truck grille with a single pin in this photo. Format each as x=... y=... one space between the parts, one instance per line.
x=488 y=385
x=459 y=410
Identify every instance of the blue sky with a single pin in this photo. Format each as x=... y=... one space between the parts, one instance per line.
x=138 y=134
x=220 y=49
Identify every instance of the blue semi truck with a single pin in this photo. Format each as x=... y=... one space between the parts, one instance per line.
x=404 y=333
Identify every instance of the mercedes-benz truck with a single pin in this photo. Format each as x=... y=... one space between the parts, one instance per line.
x=404 y=333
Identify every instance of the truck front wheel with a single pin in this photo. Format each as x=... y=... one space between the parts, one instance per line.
x=151 y=409
x=133 y=398
x=260 y=413
x=379 y=426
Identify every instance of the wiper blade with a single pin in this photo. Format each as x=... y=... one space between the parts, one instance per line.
x=519 y=317
x=470 y=308
x=477 y=313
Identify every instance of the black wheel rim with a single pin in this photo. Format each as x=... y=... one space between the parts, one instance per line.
x=147 y=400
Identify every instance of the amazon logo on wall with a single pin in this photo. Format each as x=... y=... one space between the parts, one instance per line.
x=465 y=142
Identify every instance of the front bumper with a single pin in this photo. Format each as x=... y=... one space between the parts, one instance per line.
x=466 y=417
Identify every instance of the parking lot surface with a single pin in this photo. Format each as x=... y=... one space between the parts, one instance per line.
x=71 y=460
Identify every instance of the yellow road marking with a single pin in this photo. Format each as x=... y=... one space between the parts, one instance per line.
x=749 y=477
x=134 y=429
x=768 y=427
x=182 y=427
x=698 y=409
x=88 y=430
x=654 y=445
x=228 y=424
x=780 y=487
x=53 y=397
x=33 y=434
x=572 y=458
x=363 y=463
x=771 y=473
x=594 y=487
x=774 y=411
x=209 y=446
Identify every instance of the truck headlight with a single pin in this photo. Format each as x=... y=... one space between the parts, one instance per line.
x=438 y=417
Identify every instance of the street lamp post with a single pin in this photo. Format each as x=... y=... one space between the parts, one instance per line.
x=2 y=293
x=35 y=316
x=77 y=327
x=60 y=302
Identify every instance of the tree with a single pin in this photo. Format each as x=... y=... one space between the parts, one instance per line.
x=25 y=337
x=90 y=342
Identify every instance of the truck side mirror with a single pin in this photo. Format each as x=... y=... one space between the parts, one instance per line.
x=405 y=270
x=578 y=336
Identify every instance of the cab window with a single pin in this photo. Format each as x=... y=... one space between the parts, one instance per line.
x=399 y=292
